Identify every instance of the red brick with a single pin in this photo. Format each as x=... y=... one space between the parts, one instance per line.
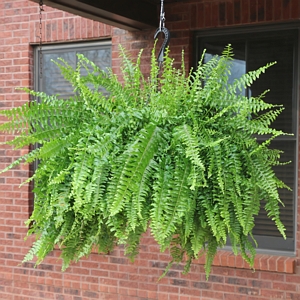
x=168 y=289
x=223 y=271
x=272 y=276
x=207 y=14
x=260 y=284
x=284 y=286
x=193 y=15
x=261 y=10
x=231 y=260
x=290 y=265
x=214 y=14
x=286 y=8
x=95 y=28
x=129 y=268
x=293 y=296
x=163 y=296
x=223 y=287
x=280 y=264
x=239 y=262
x=222 y=13
x=212 y=295
x=271 y=294
x=148 y=286
x=217 y=261
x=190 y=292
x=246 y=12
x=229 y=13
x=277 y=10
x=236 y=281
x=142 y=293
x=295 y=9
x=200 y=15
x=133 y=292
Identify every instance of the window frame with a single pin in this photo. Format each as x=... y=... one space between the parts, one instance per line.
x=201 y=35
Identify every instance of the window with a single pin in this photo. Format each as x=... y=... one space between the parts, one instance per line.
x=52 y=82
x=48 y=77
x=253 y=49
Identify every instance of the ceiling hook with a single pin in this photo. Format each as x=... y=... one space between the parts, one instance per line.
x=165 y=31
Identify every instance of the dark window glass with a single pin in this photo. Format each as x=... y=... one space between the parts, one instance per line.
x=251 y=51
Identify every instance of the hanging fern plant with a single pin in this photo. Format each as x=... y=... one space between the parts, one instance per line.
x=174 y=152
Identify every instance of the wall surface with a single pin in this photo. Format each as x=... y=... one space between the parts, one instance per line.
x=113 y=277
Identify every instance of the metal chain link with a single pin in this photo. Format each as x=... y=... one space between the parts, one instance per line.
x=41 y=37
x=162 y=15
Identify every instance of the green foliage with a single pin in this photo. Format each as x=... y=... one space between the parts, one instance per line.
x=174 y=152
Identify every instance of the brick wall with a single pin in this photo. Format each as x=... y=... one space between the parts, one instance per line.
x=112 y=277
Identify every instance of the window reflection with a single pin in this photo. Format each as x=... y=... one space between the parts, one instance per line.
x=238 y=67
x=53 y=82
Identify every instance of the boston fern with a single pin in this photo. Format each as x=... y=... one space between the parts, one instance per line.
x=175 y=153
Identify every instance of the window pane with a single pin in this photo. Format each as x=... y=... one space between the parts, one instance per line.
x=52 y=81
x=264 y=225
x=101 y=57
x=253 y=50
x=238 y=67
x=278 y=78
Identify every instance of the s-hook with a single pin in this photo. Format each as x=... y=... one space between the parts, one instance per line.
x=165 y=31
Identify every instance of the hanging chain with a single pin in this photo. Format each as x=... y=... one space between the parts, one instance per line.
x=41 y=37
x=162 y=15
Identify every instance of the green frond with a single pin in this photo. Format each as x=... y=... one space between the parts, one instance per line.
x=53 y=148
x=248 y=79
x=260 y=125
x=136 y=160
x=141 y=195
x=161 y=197
x=185 y=134
x=179 y=194
x=188 y=223
x=210 y=255
x=198 y=237
x=83 y=168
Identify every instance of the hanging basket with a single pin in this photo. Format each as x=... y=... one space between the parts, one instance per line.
x=175 y=154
